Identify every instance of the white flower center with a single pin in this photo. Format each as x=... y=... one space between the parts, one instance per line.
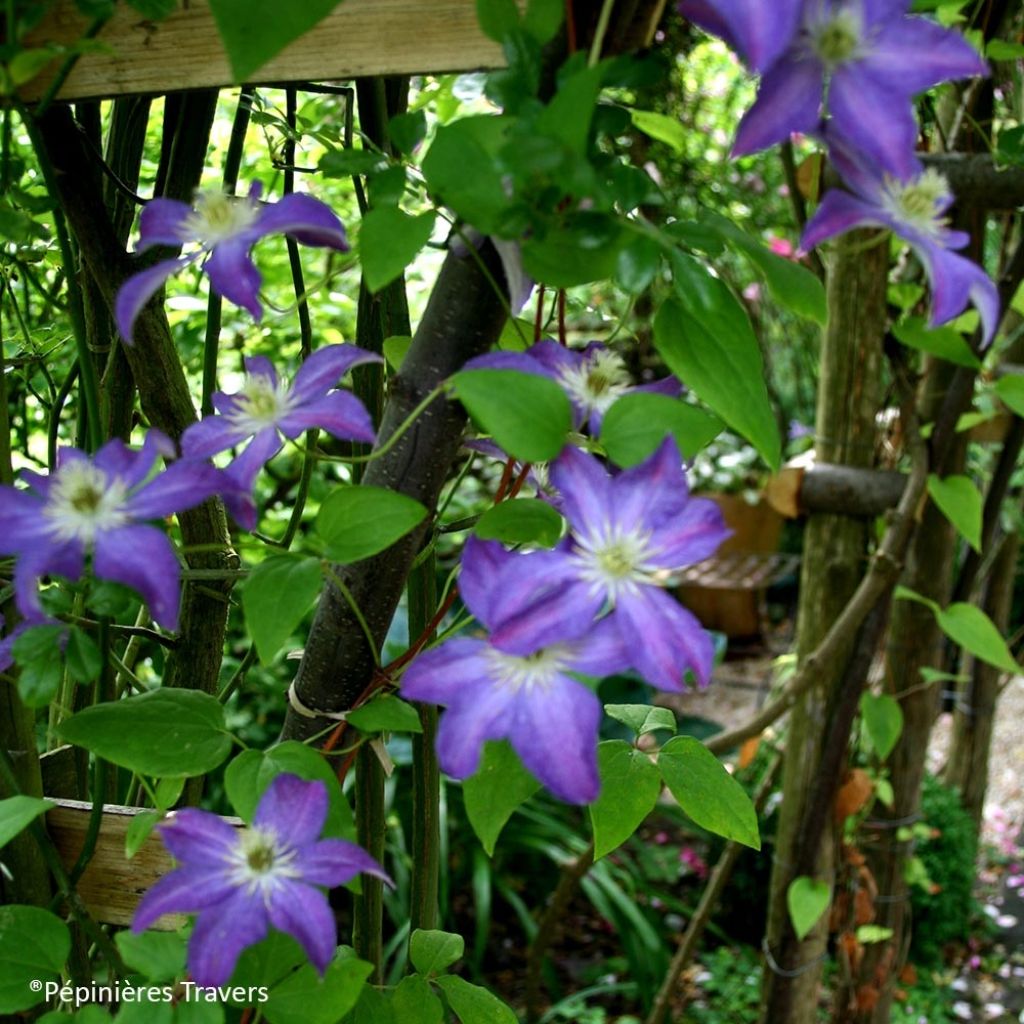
x=532 y=671
x=218 y=217
x=84 y=501
x=261 y=860
x=616 y=560
x=836 y=35
x=598 y=382
x=260 y=403
x=919 y=203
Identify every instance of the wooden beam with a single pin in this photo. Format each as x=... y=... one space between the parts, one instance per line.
x=360 y=37
x=823 y=487
x=111 y=886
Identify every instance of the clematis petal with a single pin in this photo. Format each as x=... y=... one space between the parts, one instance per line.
x=306 y=219
x=132 y=466
x=482 y=560
x=22 y=524
x=955 y=282
x=139 y=289
x=518 y=283
x=234 y=276
x=341 y=414
x=163 y=222
x=602 y=651
x=181 y=486
x=673 y=638
x=909 y=55
x=302 y=912
x=557 y=358
x=334 y=862
x=199 y=839
x=325 y=368
x=556 y=615
x=466 y=726
x=142 y=558
x=759 y=32
x=444 y=674
x=585 y=488
x=65 y=560
x=259 y=451
x=837 y=213
x=183 y=891
x=653 y=491
x=878 y=124
x=694 y=535
x=212 y=434
x=788 y=101
x=294 y=809
x=555 y=732
x=220 y=935
x=522 y=362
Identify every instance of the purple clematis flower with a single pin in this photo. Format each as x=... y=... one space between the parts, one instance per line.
x=242 y=882
x=528 y=697
x=593 y=379
x=868 y=56
x=99 y=506
x=269 y=410
x=628 y=535
x=223 y=230
x=911 y=203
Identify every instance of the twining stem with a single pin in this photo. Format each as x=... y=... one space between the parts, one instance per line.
x=426 y=776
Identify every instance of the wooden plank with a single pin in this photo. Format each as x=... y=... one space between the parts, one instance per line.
x=111 y=886
x=361 y=37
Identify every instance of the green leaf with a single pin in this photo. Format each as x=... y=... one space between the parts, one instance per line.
x=661 y=127
x=433 y=952
x=642 y=718
x=566 y=257
x=138 y=831
x=306 y=998
x=543 y=18
x=395 y=349
x=1010 y=390
x=637 y=424
x=495 y=790
x=345 y=163
x=973 y=630
x=497 y=18
x=527 y=415
x=33 y=947
x=807 y=901
x=521 y=521
x=275 y=599
x=249 y=774
x=267 y=963
x=26 y=64
x=166 y=733
x=790 y=284
x=83 y=657
x=408 y=130
x=630 y=785
x=961 y=503
x=389 y=240
x=160 y=956
x=945 y=342
x=567 y=117
x=17 y=812
x=255 y=31
x=386 y=714
x=707 y=792
x=883 y=721
x=358 y=521
x=1002 y=49
x=473 y=1004
x=461 y=168
x=38 y=653
x=637 y=264
x=868 y=933
x=706 y=340
x=413 y=1002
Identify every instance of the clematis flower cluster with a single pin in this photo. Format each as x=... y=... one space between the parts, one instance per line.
x=99 y=509
x=580 y=608
x=847 y=71
x=241 y=883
